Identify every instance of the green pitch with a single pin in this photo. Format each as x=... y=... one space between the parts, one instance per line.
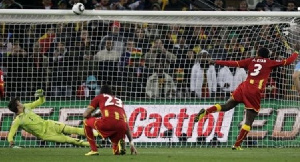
x=152 y=155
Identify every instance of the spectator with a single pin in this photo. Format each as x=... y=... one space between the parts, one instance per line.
x=29 y=38
x=156 y=50
x=62 y=4
x=107 y=54
x=89 y=89
x=3 y=48
x=152 y=31
x=271 y=5
x=197 y=38
x=47 y=4
x=84 y=45
x=155 y=7
x=243 y=6
x=174 y=5
x=234 y=46
x=183 y=75
x=291 y=6
x=125 y=5
x=203 y=76
x=103 y=5
x=217 y=50
x=10 y=4
x=220 y=5
x=172 y=36
x=46 y=40
x=17 y=50
x=149 y=4
x=184 y=64
x=142 y=42
x=260 y=7
x=160 y=84
x=130 y=52
x=62 y=71
x=59 y=53
x=116 y=36
x=133 y=77
x=180 y=50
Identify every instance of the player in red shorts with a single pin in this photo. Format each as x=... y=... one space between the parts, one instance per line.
x=112 y=124
x=249 y=91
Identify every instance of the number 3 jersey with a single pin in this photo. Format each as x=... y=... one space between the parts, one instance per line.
x=259 y=68
x=110 y=106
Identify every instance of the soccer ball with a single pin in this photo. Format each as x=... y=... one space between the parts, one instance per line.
x=78 y=8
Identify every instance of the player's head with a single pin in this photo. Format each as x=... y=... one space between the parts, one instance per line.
x=15 y=105
x=106 y=89
x=263 y=52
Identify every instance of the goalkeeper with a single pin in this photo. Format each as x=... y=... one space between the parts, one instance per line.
x=47 y=130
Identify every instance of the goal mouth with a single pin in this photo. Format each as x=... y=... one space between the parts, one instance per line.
x=157 y=64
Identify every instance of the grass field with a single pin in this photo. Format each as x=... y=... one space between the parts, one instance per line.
x=152 y=155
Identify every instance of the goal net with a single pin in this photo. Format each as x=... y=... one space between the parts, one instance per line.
x=156 y=63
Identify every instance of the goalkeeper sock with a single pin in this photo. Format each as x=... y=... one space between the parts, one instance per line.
x=243 y=133
x=73 y=130
x=213 y=109
x=90 y=136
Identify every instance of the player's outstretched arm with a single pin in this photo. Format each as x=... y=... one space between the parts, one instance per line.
x=241 y=63
x=289 y=60
x=13 y=129
x=38 y=93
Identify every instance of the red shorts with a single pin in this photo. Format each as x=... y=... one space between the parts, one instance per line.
x=248 y=94
x=108 y=127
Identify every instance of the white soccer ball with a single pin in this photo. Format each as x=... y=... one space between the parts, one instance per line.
x=78 y=8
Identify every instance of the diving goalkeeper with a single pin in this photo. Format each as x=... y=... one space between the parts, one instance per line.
x=32 y=123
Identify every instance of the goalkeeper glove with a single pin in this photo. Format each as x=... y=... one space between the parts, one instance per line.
x=39 y=93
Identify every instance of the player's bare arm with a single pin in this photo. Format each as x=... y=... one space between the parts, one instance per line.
x=129 y=136
x=88 y=111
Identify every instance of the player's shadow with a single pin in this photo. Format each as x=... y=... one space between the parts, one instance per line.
x=168 y=134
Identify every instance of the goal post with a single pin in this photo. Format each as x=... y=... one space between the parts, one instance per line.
x=156 y=63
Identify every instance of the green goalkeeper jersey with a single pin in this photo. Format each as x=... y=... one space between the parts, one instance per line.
x=29 y=121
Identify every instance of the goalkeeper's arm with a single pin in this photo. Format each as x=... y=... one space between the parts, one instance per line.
x=13 y=129
x=38 y=93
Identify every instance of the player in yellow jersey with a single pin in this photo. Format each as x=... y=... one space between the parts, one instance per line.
x=47 y=130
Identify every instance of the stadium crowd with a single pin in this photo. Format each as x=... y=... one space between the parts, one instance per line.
x=167 y=5
x=140 y=60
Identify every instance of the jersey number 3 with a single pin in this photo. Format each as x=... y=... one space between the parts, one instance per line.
x=257 y=68
x=117 y=102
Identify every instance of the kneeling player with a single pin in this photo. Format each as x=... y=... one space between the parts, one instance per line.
x=112 y=124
